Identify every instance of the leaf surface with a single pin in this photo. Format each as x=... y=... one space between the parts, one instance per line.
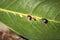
x=13 y=13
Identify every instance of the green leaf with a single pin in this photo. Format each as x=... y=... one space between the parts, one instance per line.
x=13 y=13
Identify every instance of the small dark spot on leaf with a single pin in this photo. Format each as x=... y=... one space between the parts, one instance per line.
x=29 y=17
x=44 y=20
x=34 y=19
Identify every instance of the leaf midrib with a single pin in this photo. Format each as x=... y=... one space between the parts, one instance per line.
x=22 y=14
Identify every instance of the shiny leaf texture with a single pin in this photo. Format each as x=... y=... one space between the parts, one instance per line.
x=13 y=13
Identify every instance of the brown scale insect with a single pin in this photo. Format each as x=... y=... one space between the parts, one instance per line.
x=30 y=17
x=44 y=20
